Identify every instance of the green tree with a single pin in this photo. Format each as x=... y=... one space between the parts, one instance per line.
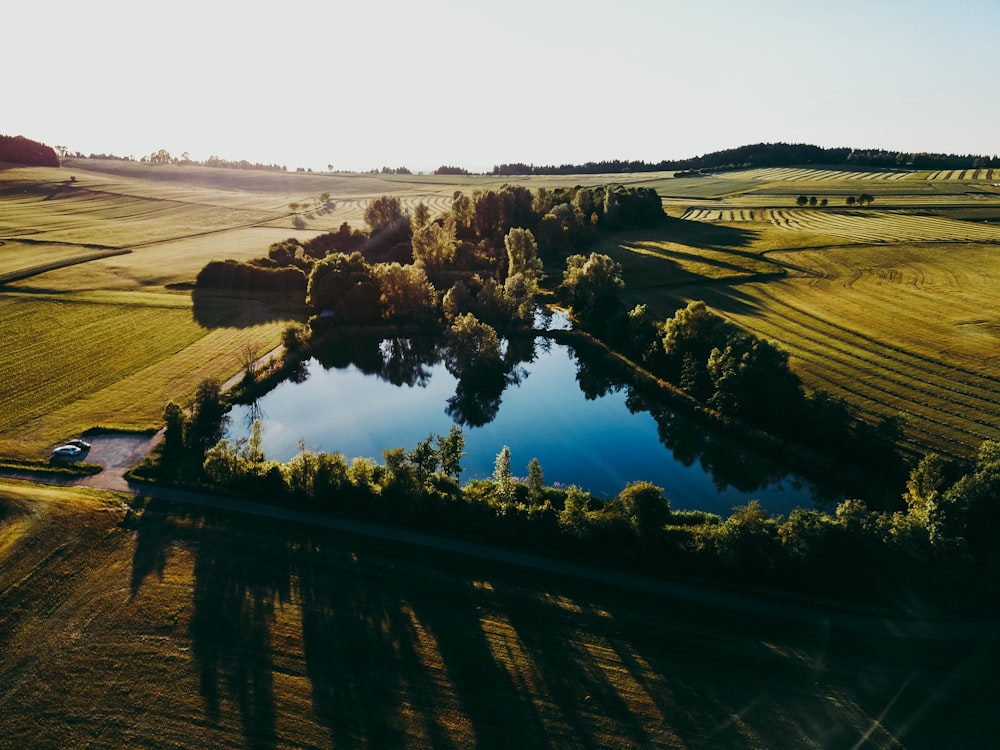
x=802 y=200
x=591 y=284
x=503 y=479
x=405 y=293
x=425 y=459
x=208 y=421
x=421 y=217
x=345 y=285
x=434 y=247
x=522 y=253
x=173 y=434
x=693 y=330
x=574 y=518
x=536 y=481
x=472 y=345
x=646 y=508
x=451 y=448
x=384 y=214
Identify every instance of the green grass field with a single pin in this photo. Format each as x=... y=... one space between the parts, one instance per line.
x=192 y=629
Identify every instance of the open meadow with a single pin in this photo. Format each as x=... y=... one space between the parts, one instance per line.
x=183 y=627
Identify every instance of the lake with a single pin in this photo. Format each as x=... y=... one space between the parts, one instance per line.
x=363 y=396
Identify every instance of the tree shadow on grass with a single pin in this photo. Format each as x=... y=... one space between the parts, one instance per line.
x=216 y=310
x=404 y=647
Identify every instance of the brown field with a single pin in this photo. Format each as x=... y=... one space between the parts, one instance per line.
x=186 y=628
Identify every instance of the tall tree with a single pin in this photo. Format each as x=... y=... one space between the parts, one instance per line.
x=522 y=253
x=384 y=214
x=346 y=286
x=504 y=479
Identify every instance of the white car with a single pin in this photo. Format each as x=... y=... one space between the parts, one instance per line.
x=67 y=451
x=81 y=444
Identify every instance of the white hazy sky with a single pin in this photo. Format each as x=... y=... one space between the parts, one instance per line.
x=472 y=84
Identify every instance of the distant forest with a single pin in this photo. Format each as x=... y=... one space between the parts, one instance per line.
x=20 y=150
x=767 y=155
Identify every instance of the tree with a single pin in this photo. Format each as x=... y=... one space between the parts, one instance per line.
x=406 y=295
x=925 y=487
x=421 y=217
x=434 y=247
x=504 y=479
x=345 y=285
x=591 y=284
x=812 y=200
x=802 y=200
x=451 y=448
x=536 y=481
x=207 y=423
x=693 y=330
x=851 y=200
x=472 y=346
x=173 y=434
x=522 y=253
x=646 y=508
x=384 y=214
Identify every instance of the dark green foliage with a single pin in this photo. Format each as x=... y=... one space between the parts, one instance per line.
x=646 y=508
x=344 y=240
x=346 y=286
x=207 y=422
x=590 y=286
x=249 y=280
x=21 y=150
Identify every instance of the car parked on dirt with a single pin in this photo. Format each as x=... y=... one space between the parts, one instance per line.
x=79 y=443
x=67 y=451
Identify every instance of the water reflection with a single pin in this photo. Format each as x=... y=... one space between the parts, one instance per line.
x=379 y=393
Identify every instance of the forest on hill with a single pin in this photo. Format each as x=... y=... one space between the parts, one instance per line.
x=766 y=155
x=21 y=150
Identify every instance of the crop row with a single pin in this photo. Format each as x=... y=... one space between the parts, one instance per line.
x=731 y=215
x=946 y=408
x=883 y=226
x=978 y=175
x=790 y=174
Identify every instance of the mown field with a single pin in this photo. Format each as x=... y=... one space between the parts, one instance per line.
x=890 y=306
x=184 y=628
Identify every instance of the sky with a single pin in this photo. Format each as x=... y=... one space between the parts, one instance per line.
x=426 y=83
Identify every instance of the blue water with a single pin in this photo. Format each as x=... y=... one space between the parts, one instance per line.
x=598 y=444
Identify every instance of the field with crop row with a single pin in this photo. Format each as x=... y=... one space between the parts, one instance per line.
x=858 y=225
x=893 y=330
x=884 y=226
x=790 y=174
x=180 y=627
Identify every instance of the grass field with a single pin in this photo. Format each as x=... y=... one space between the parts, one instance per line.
x=205 y=630
x=889 y=307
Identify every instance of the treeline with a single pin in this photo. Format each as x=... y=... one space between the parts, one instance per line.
x=766 y=155
x=942 y=547
x=20 y=150
x=483 y=256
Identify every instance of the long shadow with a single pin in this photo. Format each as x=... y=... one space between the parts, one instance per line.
x=240 y=576
x=237 y=587
x=215 y=310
